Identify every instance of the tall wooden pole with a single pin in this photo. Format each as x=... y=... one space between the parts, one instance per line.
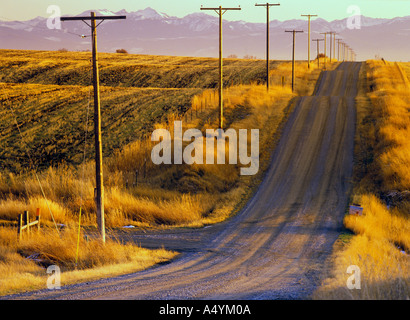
x=330 y=47
x=338 y=49
x=318 y=51
x=325 y=34
x=220 y=11
x=293 y=57
x=267 y=46
x=99 y=194
x=293 y=63
x=309 y=16
x=267 y=5
x=99 y=190
x=221 y=81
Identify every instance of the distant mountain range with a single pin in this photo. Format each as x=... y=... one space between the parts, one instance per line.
x=150 y=32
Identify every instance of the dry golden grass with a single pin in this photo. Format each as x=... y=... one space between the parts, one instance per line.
x=53 y=121
x=391 y=98
x=381 y=244
x=246 y=107
x=378 y=250
x=126 y=70
x=95 y=260
x=305 y=79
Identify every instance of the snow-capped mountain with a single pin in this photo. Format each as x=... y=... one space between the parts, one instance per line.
x=150 y=32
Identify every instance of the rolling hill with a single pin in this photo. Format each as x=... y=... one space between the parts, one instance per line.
x=47 y=93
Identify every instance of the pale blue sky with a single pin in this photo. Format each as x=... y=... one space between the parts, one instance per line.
x=289 y=9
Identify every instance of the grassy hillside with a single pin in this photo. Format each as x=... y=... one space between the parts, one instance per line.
x=126 y=70
x=53 y=120
x=43 y=121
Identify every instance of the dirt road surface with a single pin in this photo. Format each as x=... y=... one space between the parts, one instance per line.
x=278 y=245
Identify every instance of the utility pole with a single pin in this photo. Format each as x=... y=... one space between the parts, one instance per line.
x=318 y=51
x=338 y=49
x=293 y=57
x=220 y=11
x=99 y=191
x=309 y=16
x=267 y=5
x=325 y=34
x=330 y=45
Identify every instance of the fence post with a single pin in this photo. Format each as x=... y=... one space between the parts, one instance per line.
x=145 y=168
x=20 y=226
x=38 y=218
x=27 y=220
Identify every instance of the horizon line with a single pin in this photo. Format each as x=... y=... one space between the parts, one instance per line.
x=202 y=13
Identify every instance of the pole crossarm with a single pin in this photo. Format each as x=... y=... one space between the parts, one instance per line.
x=266 y=4
x=295 y=31
x=221 y=10
x=93 y=18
